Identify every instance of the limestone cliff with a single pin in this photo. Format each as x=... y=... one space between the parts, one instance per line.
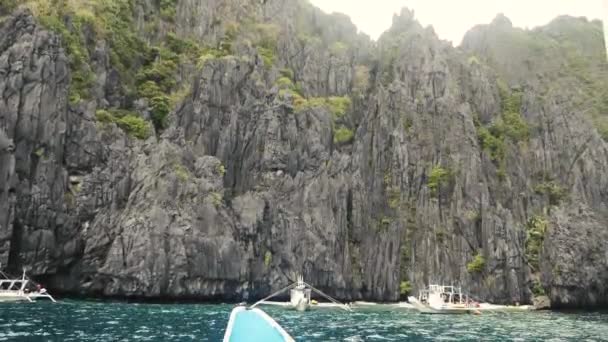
x=215 y=149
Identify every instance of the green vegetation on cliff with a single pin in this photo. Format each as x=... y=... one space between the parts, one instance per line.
x=405 y=288
x=439 y=176
x=510 y=125
x=554 y=192
x=477 y=264
x=129 y=122
x=535 y=235
x=343 y=135
x=146 y=70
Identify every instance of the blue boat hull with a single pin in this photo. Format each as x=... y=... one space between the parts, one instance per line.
x=253 y=325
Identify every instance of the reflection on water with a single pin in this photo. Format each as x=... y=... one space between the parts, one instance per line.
x=100 y=321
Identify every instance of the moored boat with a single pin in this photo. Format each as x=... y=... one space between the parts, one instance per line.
x=21 y=290
x=439 y=299
x=253 y=325
x=300 y=298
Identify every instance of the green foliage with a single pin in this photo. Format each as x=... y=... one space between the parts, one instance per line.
x=208 y=54
x=182 y=46
x=134 y=126
x=181 y=172
x=110 y=20
x=514 y=126
x=128 y=121
x=104 y=116
x=168 y=10
x=160 y=110
x=440 y=235
x=161 y=72
x=493 y=143
x=388 y=177
x=39 y=152
x=361 y=80
x=473 y=60
x=231 y=30
x=221 y=169
x=472 y=215
x=53 y=19
x=477 y=264
x=405 y=287
x=7 y=6
x=343 y=135
x=267 y=258
x=285 y=83
x=552 y=190
x=149 y=90
x=407 y=123
x=268 y=56
x=287 y=73
x=299 y=103
x=385 y=222
x=267 y=35
x=536 y=228
x=216 y=198
x=203 y=59
x=339 y=105
x=538 y=288
x=394 y=197
x=338 y=48
x=510 y=125
x=439 y=176
x=149 y=71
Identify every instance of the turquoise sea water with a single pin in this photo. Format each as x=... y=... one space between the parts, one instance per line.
x=109 y=321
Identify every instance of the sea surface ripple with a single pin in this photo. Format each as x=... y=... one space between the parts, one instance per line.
x=72 y=320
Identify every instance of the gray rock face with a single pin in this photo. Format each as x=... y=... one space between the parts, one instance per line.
x=33 y=116
x=575 y=266
x=7 y=195
x=244 y=189
x=542 y=303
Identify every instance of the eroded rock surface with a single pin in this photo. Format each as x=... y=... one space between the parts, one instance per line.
x=457 y=158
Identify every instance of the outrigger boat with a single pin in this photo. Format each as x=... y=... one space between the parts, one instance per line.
x=300 y=298
x=439 y=299
x=20 y=290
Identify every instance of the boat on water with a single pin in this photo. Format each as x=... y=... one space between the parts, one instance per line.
x=300 y=298
x=254 y=325
x=440 y=299
x=21 y=289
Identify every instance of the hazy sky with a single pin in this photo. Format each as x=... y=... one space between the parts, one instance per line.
x=452 y=18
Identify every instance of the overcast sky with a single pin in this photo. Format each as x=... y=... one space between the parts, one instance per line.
x=452 y=18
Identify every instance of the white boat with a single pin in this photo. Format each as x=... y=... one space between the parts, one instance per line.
x=300 y=298
x=21 y=290
x=439 y=299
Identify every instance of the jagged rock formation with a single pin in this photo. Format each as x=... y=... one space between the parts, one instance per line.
x=230 y=145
